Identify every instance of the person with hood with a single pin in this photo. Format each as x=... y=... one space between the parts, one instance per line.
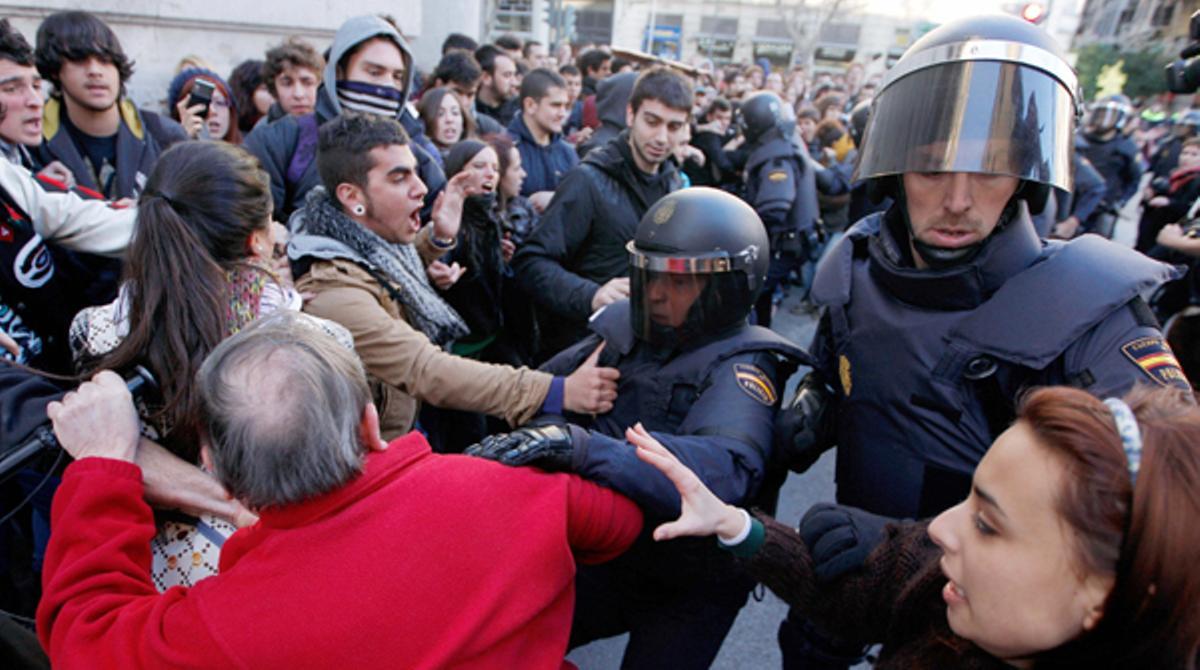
x=575 y=261
x=90 y=126
x=537 y=130
x=370 y=69
x=363 y=253
x=610 y=101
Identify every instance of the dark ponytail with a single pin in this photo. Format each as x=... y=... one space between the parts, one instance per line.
x=200 y=206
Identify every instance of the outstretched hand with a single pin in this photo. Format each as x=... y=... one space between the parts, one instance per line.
x=702 y=512
x=448 y=207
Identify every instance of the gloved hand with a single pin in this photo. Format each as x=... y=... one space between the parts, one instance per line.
x=840 y=538
x=548 y=447
x=802 y=431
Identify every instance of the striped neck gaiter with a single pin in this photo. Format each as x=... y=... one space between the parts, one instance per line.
x=363 y=97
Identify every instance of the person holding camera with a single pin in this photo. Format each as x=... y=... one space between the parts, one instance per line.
x=1168 y=199
x=202 y=103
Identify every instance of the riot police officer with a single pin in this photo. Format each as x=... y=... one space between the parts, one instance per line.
x=941 y=310
x=781 y=185
x=1114 y=155
x=707 y=386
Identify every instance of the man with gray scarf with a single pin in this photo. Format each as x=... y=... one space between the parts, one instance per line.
x=362 y=254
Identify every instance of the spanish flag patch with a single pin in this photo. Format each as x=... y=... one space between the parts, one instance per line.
x=755 y=383
x=1153 y=355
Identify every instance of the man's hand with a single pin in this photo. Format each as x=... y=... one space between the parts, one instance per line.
x=840 y=538
x=507 y=248
x=580 y=136
x=444 y=276
x=548 y=447
x=57 y=171
x=1066 y=228
x=9 y=344
x=1170 y=235
x=1159 y=201
x=97 y=419
x=448 y=208
x=612 y=291
x=172 y=483
x=591 y=389
x=541 y=200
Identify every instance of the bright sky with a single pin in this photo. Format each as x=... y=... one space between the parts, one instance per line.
x=935 y=11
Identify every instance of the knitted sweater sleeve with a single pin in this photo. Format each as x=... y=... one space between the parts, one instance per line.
x=862 y=601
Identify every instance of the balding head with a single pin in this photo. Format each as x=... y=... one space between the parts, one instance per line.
x=282 y=403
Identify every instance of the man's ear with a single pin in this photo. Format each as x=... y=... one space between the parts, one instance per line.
x=368 y=429
x=629 y=114
x=528 y=105
x=348 y=195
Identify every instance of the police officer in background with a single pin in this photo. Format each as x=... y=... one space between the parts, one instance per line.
x=703 y=383
x=941 y=310
x=781 y=184
x=1103 y=142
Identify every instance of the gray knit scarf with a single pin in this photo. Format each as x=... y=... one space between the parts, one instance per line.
x=399 y=264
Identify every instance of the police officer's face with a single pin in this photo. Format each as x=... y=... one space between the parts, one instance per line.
x=951 y=210
x=670 y=296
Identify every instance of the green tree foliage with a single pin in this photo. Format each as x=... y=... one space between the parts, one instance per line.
x=1144 y=69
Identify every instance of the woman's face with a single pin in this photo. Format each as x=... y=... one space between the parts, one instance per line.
x=1189 y=157
x=262 y=99
x=1016 y=585
x=484 y=171
x=449 y=121
x=514 y=176
x=218 y=116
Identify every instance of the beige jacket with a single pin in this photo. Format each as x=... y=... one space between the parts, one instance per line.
x=404 y=366
x=67 y=219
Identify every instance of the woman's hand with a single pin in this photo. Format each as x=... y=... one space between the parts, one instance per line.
x=507 y=247
x=702 y=512
x=190 y=118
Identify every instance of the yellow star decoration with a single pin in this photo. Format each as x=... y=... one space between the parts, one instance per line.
x=1111 y=80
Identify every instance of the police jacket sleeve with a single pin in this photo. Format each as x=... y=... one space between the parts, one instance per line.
x=1089 y=190
x=560 y=234
x=1125 y=349
x=725 y=438
x=273 y=144
x=23 y=399
x=67 y=219
x=777 y=183
x=1131 y=175
x=835 y=179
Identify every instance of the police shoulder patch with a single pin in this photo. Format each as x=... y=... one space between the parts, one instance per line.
x=755 y=382
x=777 y=175
x=1154 y=356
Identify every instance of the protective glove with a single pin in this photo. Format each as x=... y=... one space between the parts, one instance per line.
x=840 y=538
x=548 y=447
x=802 y=430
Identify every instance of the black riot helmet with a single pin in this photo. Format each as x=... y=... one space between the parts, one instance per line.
x=697 y=262
x=991 y=95
x=1110 y=113
x=762 y=112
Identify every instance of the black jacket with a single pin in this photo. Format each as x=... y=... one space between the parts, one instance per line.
x=579 y=243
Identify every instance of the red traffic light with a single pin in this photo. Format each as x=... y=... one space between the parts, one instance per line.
x=1033 y=12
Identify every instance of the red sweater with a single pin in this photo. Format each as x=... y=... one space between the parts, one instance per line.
x=425 y=561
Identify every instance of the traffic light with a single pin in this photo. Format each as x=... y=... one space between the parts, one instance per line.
x=1034 y=12
x=552 y=14
x=568 y=24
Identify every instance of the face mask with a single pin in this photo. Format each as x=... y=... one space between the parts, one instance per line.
x=363 y=97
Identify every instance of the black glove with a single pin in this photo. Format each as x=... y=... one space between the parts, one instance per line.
x=802 y=431
x=548 y=447
x=840 y=538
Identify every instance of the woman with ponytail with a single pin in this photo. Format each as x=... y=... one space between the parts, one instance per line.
x=1075 y=549
x=200 y=267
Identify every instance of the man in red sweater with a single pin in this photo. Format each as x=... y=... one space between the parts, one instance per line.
x=366 y=554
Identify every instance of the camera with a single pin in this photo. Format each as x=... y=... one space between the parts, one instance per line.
x=202 y=93
x=1183 y=75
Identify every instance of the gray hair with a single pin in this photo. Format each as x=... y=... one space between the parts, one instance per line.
x=281 y=403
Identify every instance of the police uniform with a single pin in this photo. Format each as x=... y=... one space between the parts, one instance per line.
x=707 y=386
x=713 y=406
x=926 y=366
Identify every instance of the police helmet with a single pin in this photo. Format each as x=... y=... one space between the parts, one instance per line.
x=990 y=95
x=762 y=112
x=1189 y=123
x=1110 y=113
x=697 y=262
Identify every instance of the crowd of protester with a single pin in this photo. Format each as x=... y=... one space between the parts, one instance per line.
x=333 y=245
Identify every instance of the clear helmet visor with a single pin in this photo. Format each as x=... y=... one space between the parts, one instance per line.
x=989 y=117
